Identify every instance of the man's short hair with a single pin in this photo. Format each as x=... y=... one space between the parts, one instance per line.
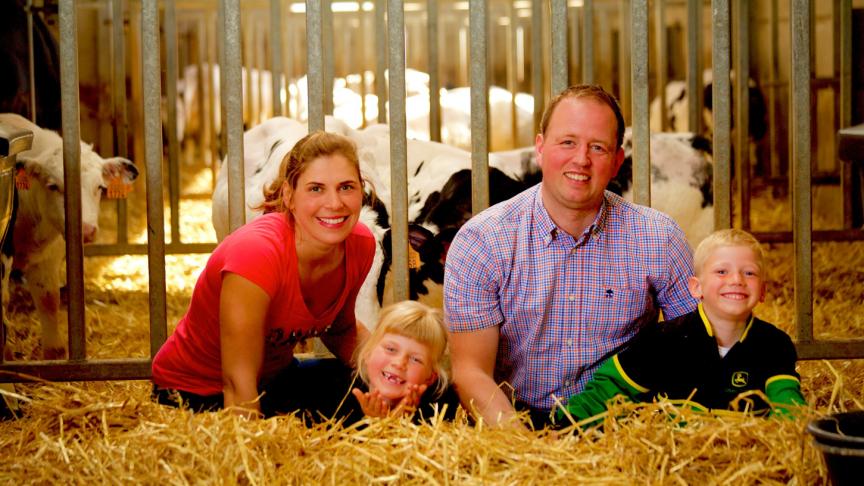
x=593 y=91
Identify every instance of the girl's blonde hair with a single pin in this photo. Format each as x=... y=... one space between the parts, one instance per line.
x=307 y=149
x=416 y=321
x=726 y=237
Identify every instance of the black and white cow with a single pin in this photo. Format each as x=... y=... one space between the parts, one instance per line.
x=38 y=233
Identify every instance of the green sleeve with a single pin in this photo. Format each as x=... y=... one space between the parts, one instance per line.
x=784 y=393
x=609 y=381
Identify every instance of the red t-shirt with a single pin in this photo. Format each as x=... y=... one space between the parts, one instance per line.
x=263 y=252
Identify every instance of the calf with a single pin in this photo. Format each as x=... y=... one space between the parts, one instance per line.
x=38 y=232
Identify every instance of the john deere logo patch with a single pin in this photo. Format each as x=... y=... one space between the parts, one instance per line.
x=740 y=379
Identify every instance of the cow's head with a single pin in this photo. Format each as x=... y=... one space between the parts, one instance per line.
x=45 y=171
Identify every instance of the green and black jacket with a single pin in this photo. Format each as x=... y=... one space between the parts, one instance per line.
x=679 y=359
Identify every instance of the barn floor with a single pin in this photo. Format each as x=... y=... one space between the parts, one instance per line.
x=110 y=432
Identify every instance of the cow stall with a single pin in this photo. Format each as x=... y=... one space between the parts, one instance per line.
x=607 y=42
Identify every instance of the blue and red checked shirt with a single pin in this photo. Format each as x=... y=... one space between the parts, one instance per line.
x=563 y=304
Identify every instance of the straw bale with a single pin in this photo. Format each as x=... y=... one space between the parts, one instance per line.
x=110 y=432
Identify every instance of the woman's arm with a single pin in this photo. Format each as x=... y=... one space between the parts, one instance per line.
x=242 y=311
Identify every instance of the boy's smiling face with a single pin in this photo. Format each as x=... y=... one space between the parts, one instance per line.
x=729 y=284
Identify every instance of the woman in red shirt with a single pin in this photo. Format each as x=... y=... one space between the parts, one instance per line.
x=290 y=274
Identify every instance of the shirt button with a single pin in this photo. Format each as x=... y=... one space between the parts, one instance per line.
x=567 y=383
x=569 y=342
x=572 y=298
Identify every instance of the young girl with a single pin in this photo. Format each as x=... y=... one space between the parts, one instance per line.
x=405 y=363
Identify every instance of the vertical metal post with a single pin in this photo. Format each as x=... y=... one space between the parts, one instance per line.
x=694 y=67
x=232 y=104
x=71 y=120
x=381 y=59
x=153 y=162
x=31 y=59
x=661 y=39
x=277 y=68
x=327 y=54
x=170 y=28
x=398 y=147
x=314 y=65
x=845 y=108
x=559 y=52
x=121 y=126
x=721 y=94
x=434 y=71
x=588 y=41
x=537 y=61
x=742 y=120
x=639 y=84
x=799 y=119
x=477 y=14
x=624 y=58
x=774 y=83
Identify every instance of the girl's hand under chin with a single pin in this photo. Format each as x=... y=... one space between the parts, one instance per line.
x=374 y=405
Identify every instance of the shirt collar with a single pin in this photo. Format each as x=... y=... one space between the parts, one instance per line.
x=710 y=331
x=550 y=230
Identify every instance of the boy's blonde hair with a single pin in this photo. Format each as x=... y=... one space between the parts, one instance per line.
x=726 y=237
x=416 y=321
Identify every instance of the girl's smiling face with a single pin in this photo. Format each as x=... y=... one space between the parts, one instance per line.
x=326 y=202
x=397 y=362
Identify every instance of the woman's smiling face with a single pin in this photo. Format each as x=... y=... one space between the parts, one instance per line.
x=326 y=203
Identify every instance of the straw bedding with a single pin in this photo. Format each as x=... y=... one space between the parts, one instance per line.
x=110 y=432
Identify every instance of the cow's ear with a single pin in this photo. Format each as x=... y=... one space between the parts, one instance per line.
x=120 y=167
x=418 y=236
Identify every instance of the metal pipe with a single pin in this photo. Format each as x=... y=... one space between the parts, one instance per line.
x=661 y=47
x=277 y=68
x=31 y=66
x=434 y=71
x=537 y=61
x=398 y=148
x=314 y=65
x=232 y=105
x=742 y=109
x=170 y=30
x=845 y=107
x=694 y=68
x=478 y=16
x=639 y=86
x=721 y=94
x=153 y=162
x=588 y=41
x=799 y=119
x=381 y=59
x=118 y=82
x=559 y=52
x=71 y=120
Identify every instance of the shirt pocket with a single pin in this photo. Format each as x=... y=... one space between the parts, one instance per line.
x=619 y=311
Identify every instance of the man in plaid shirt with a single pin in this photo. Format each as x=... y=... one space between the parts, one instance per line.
x=540 y=289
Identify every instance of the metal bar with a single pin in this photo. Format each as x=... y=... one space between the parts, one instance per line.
x=830 y=350
x=314 y=65
x=588 y=41
x=639 y=86
x=86 y=370
x=774 y=84
x=477 y=19
x=800 y=156
x=381 y=59
x=232 y=104
x=845 y=107
x=121 y=127
x=694 y=68
x=31 y=61
x=742 y=117
x=434 y=71
x=141 y=249
x=327 y=53
x=661 y=38
x=721 y=94
x=817 y=235
x=559 y=52
x=510 y=66
x=153 y=162
x=71 y=120
x=624 y=59
x=536 y=61
x=170 y=32
x=398 y=147
x=277 y=69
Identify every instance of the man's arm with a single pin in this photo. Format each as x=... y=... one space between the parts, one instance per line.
x=473 y=357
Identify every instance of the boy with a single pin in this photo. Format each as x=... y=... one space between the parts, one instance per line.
x=710 y=355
